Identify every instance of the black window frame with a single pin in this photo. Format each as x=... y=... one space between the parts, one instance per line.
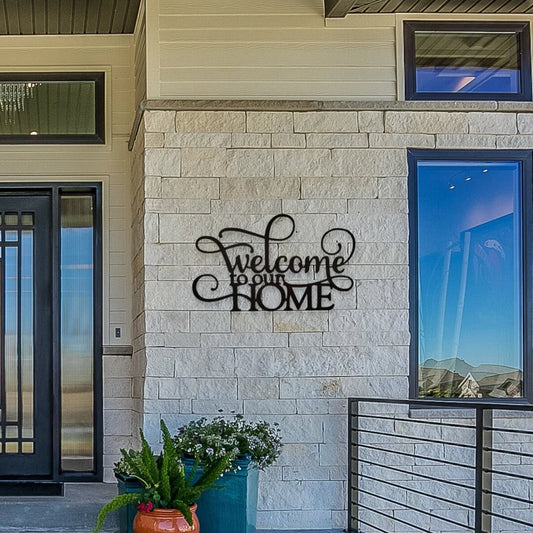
x=525 y=157
x=99 y=108
x=521 y=28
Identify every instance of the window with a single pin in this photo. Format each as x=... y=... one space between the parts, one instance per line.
x=467 y=61
x=468 y=254
x=52 y=108
x=77 y=329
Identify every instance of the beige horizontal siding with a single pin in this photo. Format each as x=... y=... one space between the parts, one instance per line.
x=276 y=49
x=221 y=7
x=139 y=61
x=109 y=163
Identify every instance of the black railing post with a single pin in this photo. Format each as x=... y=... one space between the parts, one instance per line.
x=484 y=419
x=353 y=466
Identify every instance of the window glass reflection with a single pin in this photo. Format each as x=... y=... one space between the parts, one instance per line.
x=467 y=62
x=470 y=281
x=77 y=332
x=47 y=107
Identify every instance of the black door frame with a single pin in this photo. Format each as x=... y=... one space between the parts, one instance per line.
x=38 y=463
x=53 y=190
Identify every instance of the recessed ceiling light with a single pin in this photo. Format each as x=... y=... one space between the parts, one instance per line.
x=485 y=170
x=452 y=187
x=468 y=178
x=34 y=133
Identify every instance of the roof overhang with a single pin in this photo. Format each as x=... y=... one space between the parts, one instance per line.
x=341 y=8
x=67 y=17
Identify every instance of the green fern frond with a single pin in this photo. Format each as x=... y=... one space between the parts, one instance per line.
x=116 y=503
x=169 y=451
x=164 y=477
x=211 y=475
x=184 y=509
x=149 y=460
x=137 y=467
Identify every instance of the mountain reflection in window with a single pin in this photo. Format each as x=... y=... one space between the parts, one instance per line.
x=470 y=279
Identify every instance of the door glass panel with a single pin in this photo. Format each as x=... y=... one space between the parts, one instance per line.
x=12 y=235
x=27 y=219
x=26 y=330
x=11 y=219
x=11 y=333
x=12 y=447
x=77 y=332
x=16 y=299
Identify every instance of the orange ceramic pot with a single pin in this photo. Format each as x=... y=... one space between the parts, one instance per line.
x=165 y=521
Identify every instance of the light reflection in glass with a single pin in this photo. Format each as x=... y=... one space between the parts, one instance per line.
x=26 y=332
x=470 y=279
x=11 y=333
x=467 y=62
x=77 y=332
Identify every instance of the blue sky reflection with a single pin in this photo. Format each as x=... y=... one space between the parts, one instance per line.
x=469 y=230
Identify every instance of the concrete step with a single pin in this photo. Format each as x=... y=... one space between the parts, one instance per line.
x=75 y=512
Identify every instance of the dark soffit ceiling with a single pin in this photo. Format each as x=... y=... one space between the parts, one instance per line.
x=340 y=8
x=67 y=17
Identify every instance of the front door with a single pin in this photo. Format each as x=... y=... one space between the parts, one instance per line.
x=25 y=336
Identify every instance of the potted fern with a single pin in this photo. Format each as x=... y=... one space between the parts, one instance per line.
x=167 y=494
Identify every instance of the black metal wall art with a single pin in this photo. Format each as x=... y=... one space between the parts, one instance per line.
x=262 y=274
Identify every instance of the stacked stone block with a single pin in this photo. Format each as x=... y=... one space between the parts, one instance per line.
x=205 y=170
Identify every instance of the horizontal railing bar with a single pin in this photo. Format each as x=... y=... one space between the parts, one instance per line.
x=467 y=409
x=507 y=496
x=392 y=517
x=443 y=461
x=471 y=404
x=510 y=474
x=509 y=519
x=416 y=474
x=504 y=430
x=372 y=525
x=415 y=491
x=420 y=439
x=410 y=507
x=415 y=421
x=508 y=452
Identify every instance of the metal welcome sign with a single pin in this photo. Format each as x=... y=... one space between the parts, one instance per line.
x=260 y=278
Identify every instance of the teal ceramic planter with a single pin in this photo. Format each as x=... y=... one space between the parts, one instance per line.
x=126 y=514
x=232 y=508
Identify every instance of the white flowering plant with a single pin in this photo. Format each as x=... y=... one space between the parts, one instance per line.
x=207 y=441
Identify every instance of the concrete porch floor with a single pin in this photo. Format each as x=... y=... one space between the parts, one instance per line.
x=74 y=512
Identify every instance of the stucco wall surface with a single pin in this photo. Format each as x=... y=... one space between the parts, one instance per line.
x=208 y=170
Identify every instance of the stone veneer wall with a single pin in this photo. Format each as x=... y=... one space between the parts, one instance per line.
x=343 y=166
x=117 y=404
x=124 y=366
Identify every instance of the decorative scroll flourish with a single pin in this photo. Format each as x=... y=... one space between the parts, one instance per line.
x=262 y=278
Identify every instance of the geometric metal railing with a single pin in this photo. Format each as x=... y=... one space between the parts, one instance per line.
x=439 y=466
